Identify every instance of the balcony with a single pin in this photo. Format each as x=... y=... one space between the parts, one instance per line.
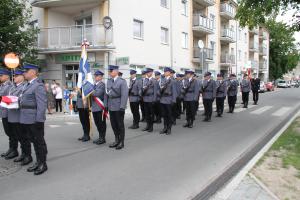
x=263 y=51
x=227 y=60
x=227 y=36
x=227 y=11
x=253 y=47
x=263 y=35
x=254 y=64
x=202 y=24
x=263 y=66
x=254 y=31
x=208 y=55
x=69 y=39
x=205 y=3
x=58 y=3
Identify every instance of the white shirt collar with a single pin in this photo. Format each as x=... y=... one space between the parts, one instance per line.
x=32 y=80
x=19 y=83
x=116 y=78
x=97 y=82
x=134 y=78
x=168 y=77
x=190 y=79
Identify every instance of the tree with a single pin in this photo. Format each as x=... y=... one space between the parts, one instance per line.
x=284 y=55
x=252 y=13
x=16 y=33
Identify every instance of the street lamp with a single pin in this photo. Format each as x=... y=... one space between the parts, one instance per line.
x=201 y=47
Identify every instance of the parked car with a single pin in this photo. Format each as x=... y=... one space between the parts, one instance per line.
x=289 y=84
x=270 y=86
x=262 y=87
x=282 y=84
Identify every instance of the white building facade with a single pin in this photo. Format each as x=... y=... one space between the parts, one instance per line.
x=146 y=33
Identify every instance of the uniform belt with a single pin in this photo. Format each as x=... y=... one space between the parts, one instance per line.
x=28 y=107
x=190 y=91
x=147 y=95
x=115 y=97
x=132 y=95
x=208 y=91
x=166 y=95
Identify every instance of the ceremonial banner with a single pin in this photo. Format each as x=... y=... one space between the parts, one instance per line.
x=10 y=102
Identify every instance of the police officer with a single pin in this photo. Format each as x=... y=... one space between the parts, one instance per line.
x=157 y=108
x=221 y=93
x=179 y=84
x=98 y=107
x=84 y=116
x=255 y=86
x=141 y=99
x=33 y=105
x=149 y=93
x=168 y=93
x=174 y=106
x=14 y=120
x=116 y=101
x=232 y=92
x=245 y=89
x=135 y=90
x=208 y=90
x=190 y=92
x=5 y=86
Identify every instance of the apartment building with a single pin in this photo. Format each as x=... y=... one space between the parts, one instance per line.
x=146 y=33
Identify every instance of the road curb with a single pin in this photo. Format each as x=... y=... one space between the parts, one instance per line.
x=231 y=171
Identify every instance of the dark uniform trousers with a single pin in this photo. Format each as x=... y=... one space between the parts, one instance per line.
x=208 y=107
x=142 y=109
x=220 y=105
x=23 y=137
x=174 y=112
x=13 y=139
x=117 y=124
x=245 y=98
x=134 y=107
x=167 y=114
x=255 y=96
x=100 y=122
x=149 y=114
x=157 y=111
x=231 y=103
x=178 y=107
x=36 y=136
x=84 y=118
x=190 y=110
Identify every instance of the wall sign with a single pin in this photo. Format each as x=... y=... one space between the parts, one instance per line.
x=73 y=58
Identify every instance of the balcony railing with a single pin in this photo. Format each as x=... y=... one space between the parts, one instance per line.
x=228 y=34
x=263 y=50
x=208 y=54
x=263 y=35
x=227 y=59
x=203 y=22
x=227 y=10
x=262 y=65
x=254 y=64
x=72 y=36
x=253 y=46
x=206 y=2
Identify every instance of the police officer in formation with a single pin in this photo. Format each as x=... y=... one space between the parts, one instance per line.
x=141 y=100
x=135 y=91
x=84 y=116
x=5 y=86
x=245 y=89
x=157 y=107
x=14 y=120
x=179 y=100
x=232 y=91
x=221 y=91
x=98 y=108
x=190 y=92
x=149 y=94
x=255 y=86
x=168 y=95
x=33 y=105
x=116 y=102
x=208 y=91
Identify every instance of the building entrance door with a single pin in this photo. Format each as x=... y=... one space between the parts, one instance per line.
x=71 y=72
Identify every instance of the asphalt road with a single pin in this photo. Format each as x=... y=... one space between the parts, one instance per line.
x=152 y=166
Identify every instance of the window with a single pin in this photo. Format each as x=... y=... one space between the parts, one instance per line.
x=34 y=24
x=84 y=21
x=184 y=7
x=240 y=34
x=240 y=55
x=245 y=37
x=212 y=44
x=164 y=3
x=184 y=40
x=138 y=29
x=213 y=17
x=164 y=35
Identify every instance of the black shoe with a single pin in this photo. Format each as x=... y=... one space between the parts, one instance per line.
x=191 y=125
x=142 y=120
x=20 y=159
x=168 y=131
x=33 y=167
x=134 y=126
x=114 y=145
x=99 y=142
x=205 y=120
x=186 y=125
x=41 y=169
x=96 y=141
x=120 y=146
x=26 y=160
x=146 y=128
x=80 y=139
x=12 y=155
x=150 y=129
x=163 y=131
x=158 y=121
x=179 y=117
x=6 y=153
x=85 y=139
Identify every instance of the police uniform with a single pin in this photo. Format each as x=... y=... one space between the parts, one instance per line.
x=12 y=152
x=141 y=99
x=157 y=108
x=116 y=101
x=208 y=91
x=174 y=106
x=149 y=94
x=168 y=97
x=190 y=92
x=84 y=117
x=135 y=90
x=14 y=121
x=245 y=89
x=232 y=92
x=98 y=109
x=255 y=86
x=221 y=92
x=33 y=105
x=179 y=100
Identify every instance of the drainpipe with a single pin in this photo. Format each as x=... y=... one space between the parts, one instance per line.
x=171 y=34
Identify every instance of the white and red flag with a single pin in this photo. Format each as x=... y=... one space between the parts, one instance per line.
x=9 y=102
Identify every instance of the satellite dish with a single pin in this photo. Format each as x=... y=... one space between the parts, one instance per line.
x=200 y=44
